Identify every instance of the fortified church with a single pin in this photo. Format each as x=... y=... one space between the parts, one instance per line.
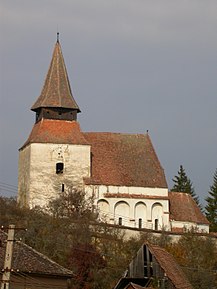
x=121 y=171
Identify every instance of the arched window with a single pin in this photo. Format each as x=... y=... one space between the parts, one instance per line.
x=140 y=215
x=104 y=209
x=157 y=216
x=122 y=211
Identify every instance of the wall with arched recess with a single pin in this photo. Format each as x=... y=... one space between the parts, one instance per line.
x=104 y=209
x=157 y=216
x=122 y=213
x=140 y=215
x=132 y=212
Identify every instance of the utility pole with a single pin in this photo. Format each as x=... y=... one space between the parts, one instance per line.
x=8 y=258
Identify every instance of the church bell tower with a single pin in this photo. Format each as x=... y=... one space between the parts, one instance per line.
x=56 y=153
x=56 y=100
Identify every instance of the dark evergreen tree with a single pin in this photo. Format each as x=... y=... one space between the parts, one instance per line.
x=183 y=184
x=211 y=207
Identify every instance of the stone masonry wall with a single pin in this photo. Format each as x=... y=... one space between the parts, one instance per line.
x=44 y=183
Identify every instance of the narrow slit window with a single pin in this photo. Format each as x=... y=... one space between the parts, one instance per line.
x=63 y=188
x=140 y=223
x=120 y=221
x=59 y=168
x=156 y=223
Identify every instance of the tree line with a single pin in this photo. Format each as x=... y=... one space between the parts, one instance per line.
x=182 y=183
x=98 y=254
x=69 y=233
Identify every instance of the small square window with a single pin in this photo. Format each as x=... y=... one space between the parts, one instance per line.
x=59 y=168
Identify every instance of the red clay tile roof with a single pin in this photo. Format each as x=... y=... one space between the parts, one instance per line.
x=170 y=267
x=117 y=159
x=26 y=259
x=57 y=132
x=184 y=208
x=56 y=91
x=124 y=160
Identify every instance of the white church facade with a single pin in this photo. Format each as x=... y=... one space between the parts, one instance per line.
x=121 y=171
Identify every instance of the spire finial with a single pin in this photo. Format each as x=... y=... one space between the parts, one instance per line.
x=58 y=34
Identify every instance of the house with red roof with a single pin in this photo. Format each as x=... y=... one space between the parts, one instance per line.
x=122 y=171
x=153 y=265
x=185 y=213
x=32 y=269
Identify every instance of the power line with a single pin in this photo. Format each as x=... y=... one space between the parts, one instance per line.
x=8 y=188
x=9 y=185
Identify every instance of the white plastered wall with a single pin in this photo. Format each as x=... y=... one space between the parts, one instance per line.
x=130 y=209
x=37 y=170
x=24 y=176
x=188 y=226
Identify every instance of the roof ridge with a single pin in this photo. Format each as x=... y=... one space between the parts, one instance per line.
x=110 y=132
x=45 y=257
x=170 y=275
x=62 y=270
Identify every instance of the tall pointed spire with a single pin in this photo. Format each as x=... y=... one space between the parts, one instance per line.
x=56 y=93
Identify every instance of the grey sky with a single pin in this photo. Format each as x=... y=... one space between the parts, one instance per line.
x=133 y=65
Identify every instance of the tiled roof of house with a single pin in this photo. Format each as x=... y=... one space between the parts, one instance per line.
x=56 y=131
x=56 y=91
x=184 y=208
x=173 y=271
x=124 y=160
x=27 y=260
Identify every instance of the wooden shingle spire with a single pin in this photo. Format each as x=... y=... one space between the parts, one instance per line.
x=56 y=93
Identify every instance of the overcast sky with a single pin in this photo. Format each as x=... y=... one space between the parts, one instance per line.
x=134 y=65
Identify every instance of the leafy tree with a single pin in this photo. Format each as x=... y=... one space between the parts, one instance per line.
x=74 y=239
x=95 y=249
x=86 y=262
x=183 y=184
x=211 y=207
x=73 y=204
x=197 y=256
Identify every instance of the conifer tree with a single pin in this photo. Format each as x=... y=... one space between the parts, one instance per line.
x=183 y=184
x=211 y=207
